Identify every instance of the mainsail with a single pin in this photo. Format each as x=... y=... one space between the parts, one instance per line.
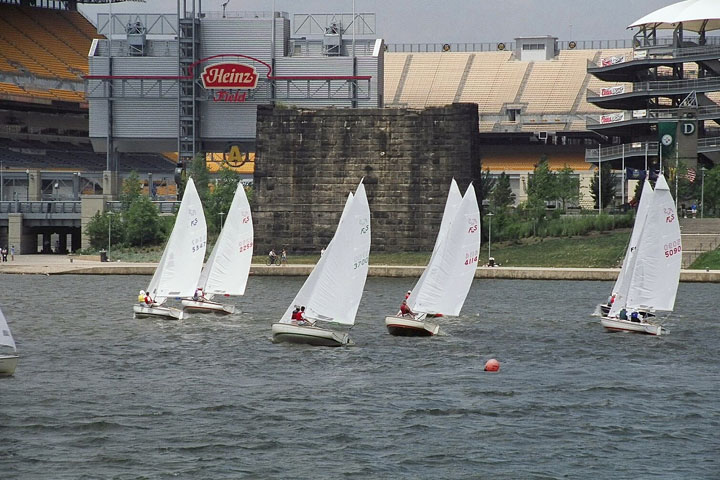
x=445 y=283
x=226 y=271
x=333 y=290
x=656 y=273
x=179 y=268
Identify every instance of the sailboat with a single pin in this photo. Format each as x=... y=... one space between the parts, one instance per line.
x=445 y=282
x=332 y=292
x=621 y=283
x=179 y=269
x=226 y=271
x=653 y=273
x=8 y=350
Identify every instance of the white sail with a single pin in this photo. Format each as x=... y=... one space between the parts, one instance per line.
x=622 y=284
x=334 y=288
x=451 y=206
x=179 y=268
x=226 y=271
x=445 y=283
x=6 y=338
x=656 y=274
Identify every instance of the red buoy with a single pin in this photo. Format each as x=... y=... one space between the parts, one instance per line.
x=492 y=365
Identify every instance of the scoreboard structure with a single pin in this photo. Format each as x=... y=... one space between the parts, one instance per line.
x=191 y=82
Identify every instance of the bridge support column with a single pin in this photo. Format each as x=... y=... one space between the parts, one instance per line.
x=89 y=206
x=19 y=236
x=34 y=192
x=111 y=185
x=63 y=242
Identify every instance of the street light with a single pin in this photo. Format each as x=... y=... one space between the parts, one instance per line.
x=221 y=219
x=702 y=191
x=110 y=217
x=489 y=215
x=27 y=188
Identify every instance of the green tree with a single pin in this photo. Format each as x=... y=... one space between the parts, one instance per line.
x=502 y=195
x=99 y=226
x=609 y=180
x=542 y=183
x=199 y=173
x=568 y=186
x=487 y=182
x=221 y=197
x=131 y=190
x=712 y=191
x=142 y=223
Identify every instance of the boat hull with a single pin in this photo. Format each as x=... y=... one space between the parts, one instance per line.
x=309 y=335
x=207 y=306
x=8 y=364
x=617 y=325
x=165 y=313
x=409 y=327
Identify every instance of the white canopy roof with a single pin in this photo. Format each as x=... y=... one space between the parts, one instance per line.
x=695 y=15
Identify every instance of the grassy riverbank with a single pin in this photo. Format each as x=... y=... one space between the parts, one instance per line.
x=707 y=261
x=595 y=250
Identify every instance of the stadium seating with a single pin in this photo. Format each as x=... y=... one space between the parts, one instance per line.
x=493 y=80
x=553 y=85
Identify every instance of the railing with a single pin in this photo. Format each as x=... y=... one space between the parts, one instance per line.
x=163 y=206
x=700 y=84
x=666 y=51
x=40 y=207
x=659 y=114
x=617 y=151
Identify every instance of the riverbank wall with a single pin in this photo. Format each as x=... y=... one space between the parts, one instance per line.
x=58 y=265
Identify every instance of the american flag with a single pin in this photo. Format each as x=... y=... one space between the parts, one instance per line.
x=690 y=175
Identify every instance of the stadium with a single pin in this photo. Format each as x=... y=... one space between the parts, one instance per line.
x=85 y=101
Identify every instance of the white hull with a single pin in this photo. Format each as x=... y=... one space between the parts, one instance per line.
x=165 y=313
x=287 y=332
x=409 y=327
x=8 y=364
x=617 y=325
x=207 y=306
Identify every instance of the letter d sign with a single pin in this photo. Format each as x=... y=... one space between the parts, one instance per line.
x=688 y=128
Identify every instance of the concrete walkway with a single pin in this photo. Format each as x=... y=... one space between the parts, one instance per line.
x=62 y=265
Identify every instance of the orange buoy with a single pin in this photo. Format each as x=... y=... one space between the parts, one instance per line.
x=492 y=365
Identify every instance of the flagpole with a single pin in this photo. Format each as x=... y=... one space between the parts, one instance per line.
x=647 y=144
x=702 y=192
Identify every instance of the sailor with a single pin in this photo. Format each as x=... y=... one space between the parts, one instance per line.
x=301 y=317
x=407 y=295
x=141 y=296
x=294 y=314
x=198 y=296
x=405 y=310
x=148 y=299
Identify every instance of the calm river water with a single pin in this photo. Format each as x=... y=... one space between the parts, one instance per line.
x=99 y=395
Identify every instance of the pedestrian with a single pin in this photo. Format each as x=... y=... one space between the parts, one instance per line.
x=12 y=252
x=693 y=210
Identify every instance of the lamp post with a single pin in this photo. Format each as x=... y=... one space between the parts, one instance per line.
x=702 y=191
x=489 y=215
x=221 y=220
x=110 y=217
x=27 y=188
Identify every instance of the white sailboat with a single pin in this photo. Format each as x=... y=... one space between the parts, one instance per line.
x=332 y=292
x=226 y=271
x=623 y=279
x=654 y=272
x=8 y=350
x=445 y=282
x=179 y=268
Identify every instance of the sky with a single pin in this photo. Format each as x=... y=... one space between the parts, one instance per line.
x=451 y=21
